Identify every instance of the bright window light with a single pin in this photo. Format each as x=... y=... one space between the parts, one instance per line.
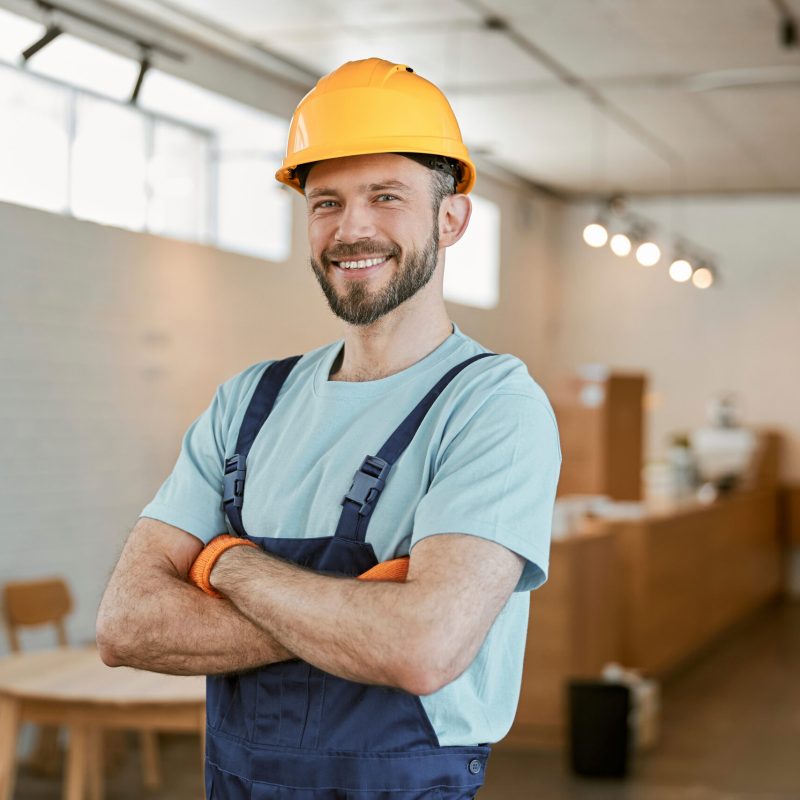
x=242 y=125
x=79 y=63
x=191 y=164
x=34 y=141
x=109 y=166
x=16 y=33
x=472 y=269
x=252 y=211
x=178 y=181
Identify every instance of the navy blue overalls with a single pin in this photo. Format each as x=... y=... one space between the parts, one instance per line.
x=294 y=732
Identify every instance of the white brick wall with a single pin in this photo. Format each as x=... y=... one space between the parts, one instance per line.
x=110 y=344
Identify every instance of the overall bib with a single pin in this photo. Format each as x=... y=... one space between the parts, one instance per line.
x=289 y=731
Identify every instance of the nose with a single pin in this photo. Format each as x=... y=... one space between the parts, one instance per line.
x=355 y=224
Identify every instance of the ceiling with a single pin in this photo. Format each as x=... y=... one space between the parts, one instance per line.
x=584 y=96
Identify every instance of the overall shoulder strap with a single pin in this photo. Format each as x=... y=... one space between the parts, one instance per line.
x=370 y=478
x=261 y=404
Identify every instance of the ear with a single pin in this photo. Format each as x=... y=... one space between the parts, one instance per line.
x=454 y=214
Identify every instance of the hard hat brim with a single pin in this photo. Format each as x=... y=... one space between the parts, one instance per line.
x=286 y=174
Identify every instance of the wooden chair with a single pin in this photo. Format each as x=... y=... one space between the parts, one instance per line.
x=34 y=603
x=48 y=602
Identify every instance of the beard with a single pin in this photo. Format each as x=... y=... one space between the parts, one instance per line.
x=357 y=304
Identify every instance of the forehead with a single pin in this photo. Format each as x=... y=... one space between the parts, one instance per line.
x=361 y=172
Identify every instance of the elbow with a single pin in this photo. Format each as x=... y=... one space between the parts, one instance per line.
x=109 y=655
x=110 y=643
x=427 y=668
x=422 y=682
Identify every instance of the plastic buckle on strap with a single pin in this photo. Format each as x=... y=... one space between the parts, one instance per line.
x=235 y=473
x=367 y=484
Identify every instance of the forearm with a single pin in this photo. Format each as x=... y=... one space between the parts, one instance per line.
x=157 y=621
x=380 y=633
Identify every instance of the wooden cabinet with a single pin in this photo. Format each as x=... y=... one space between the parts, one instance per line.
x=601 y=426
x=790 y=513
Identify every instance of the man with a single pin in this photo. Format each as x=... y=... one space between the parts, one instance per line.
x=322 y=685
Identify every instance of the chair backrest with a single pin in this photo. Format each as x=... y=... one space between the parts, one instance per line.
x=39 y=602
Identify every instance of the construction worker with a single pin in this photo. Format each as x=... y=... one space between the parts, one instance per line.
x=406 y=438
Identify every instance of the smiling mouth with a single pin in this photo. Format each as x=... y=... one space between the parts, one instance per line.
x=364 y=263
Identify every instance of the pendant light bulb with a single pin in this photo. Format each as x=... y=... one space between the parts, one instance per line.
x=620 y=245
x=680 y=270
x=595 y=234
x=702 y=277
x=648 y=254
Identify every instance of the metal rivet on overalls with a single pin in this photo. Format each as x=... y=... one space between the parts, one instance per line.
x=474 y=766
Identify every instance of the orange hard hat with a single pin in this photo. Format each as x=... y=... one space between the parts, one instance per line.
x=374 y=106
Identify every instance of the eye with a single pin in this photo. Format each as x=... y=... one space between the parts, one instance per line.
x=386 y=197
x=322 y=204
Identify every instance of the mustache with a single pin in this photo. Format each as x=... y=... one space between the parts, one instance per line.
x=352 y=252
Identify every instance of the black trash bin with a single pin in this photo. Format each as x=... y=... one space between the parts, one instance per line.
x=598 y=728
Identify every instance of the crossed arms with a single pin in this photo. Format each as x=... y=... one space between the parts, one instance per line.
x=419 y=635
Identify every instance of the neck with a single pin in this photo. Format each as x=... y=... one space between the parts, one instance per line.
x=392 y=343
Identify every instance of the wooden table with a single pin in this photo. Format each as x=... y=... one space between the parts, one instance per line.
x=72 y=687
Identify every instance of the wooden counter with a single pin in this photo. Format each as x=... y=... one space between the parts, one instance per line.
x=648 y=593
x=688 y=577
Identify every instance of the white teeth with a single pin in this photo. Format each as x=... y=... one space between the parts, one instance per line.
x=369 y=262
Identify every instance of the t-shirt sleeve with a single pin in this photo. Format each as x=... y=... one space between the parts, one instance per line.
x=497 y=479
x=191 y=497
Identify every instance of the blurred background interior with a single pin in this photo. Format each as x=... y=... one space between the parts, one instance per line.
x=635 y=240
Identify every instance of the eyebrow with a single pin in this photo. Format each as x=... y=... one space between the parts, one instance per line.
x=317 y=192
x=370 y=187
x=376 y=187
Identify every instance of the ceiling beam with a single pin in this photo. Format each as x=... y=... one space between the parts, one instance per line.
x=613 y=112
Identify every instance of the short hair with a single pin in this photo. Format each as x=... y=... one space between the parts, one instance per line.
x=446 y=173
x=442 y=185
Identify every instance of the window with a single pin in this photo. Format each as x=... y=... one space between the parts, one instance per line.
x=16 y=33
x=252 y=211
x=185 y=162
x=472 y=271
x=34 y=144
x=82 y=65
x=178 y=178
x=109 y=164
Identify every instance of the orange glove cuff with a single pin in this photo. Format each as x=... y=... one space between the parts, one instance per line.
x=394 y=570
x=200 y=571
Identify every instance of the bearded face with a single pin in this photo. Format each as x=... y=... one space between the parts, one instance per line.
x=353 y=300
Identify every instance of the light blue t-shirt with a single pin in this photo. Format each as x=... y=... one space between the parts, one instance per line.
x=484 y=462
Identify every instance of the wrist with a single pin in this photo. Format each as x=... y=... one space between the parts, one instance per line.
x=200 y=571
x=226 y=574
